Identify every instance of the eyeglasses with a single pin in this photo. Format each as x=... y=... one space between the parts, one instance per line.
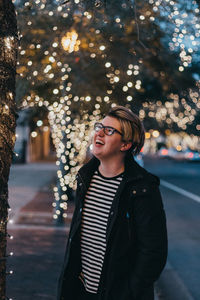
x=108 y=130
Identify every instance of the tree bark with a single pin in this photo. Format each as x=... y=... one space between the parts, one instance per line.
x=8 y=59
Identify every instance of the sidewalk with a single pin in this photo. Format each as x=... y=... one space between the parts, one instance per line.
x=31 y=193
x=38 y=245
x=25 y=182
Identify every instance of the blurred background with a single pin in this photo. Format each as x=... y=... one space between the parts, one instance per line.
x=76 y=60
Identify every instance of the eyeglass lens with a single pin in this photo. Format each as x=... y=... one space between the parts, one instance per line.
x=107 y=130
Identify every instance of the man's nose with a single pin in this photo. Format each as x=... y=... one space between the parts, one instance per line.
x=101 y=132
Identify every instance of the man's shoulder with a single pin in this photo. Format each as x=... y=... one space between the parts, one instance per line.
x=140 y=174
x=151 y=178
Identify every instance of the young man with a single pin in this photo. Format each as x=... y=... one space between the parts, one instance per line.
x=117 y=244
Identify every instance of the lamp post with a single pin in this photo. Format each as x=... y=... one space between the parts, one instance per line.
x=70 y=42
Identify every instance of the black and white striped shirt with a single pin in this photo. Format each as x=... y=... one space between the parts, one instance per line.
x=98 y=201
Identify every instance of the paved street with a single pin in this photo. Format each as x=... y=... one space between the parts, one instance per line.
x=182 y=272
x=24 y=184
x=39 y=245
x=37 y=259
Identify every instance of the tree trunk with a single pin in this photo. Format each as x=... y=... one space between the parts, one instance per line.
x=8 y=58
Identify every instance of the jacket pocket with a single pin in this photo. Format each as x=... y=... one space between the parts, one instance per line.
x=121 y=290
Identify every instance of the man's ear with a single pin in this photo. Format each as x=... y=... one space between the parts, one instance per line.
x=126 y=146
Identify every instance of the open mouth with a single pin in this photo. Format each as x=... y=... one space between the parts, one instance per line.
x=98 y=142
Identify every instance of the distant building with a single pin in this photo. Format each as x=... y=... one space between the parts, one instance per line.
x=32 y=146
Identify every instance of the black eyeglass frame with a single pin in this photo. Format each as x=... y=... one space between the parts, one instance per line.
x=101 y=126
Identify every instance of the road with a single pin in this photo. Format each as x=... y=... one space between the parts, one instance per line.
x=180 y=188
x=39 y=246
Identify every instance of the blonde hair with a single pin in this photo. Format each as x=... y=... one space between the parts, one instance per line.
x=131 y=127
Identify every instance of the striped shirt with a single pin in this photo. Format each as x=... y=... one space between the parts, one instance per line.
x=97 y=205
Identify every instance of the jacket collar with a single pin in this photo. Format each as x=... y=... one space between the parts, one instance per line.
x=86 y=172
x=132 y=170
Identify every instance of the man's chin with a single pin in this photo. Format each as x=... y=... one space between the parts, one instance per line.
x=96 y=154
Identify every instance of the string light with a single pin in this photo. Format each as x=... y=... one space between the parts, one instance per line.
x=63 y=66
x=185 y=38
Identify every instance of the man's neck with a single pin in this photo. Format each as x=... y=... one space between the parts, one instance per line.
x=112 y=168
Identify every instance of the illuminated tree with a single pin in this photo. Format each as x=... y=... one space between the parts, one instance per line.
x=8 y=52
x=79 y=58
x=151 y=37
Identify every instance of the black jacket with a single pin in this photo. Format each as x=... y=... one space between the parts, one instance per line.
x=136 y=237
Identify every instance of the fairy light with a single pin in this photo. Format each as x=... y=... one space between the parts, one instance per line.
x=174 y=111
x=185 y=37
x=102 y=47
x=70 y=132
x=39 y=123
x=8 y=41
x=76 y=134
x=34 y=134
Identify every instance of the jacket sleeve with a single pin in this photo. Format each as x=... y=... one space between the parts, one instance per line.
x=151 y=241
x=61 y=281
x=74 y=215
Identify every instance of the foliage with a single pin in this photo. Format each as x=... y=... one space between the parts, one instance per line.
x=146 y=38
